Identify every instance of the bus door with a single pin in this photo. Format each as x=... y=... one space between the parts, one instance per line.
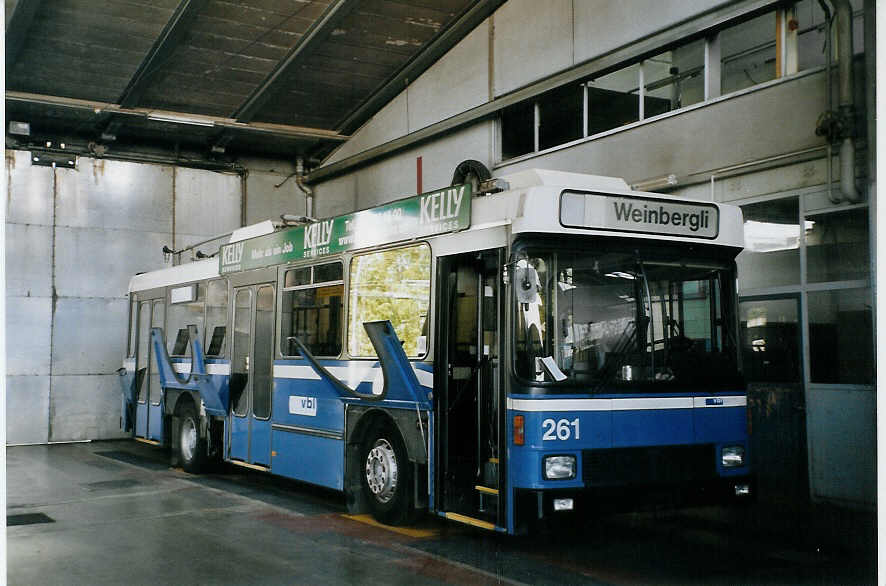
x=469 y=408
x=148 y=409
x=249 y=422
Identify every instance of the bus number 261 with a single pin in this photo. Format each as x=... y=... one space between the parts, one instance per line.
x=560 y=430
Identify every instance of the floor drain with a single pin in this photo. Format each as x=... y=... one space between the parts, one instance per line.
x=27 y=519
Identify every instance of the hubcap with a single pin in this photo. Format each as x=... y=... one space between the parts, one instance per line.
x=381 y=470
x=188 y=439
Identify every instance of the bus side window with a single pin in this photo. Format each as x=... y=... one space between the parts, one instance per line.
x=185 y=309
x=216 y=317
x=216 y=346
x=312 y=310
x=390 y=285
x=181 y=343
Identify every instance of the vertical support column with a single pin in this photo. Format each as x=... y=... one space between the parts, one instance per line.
x=791 y=65
x=418 y=178
x=785 y=42
x=641 y=74
x=712 y=71
x=536 y=126
x=584 y=110
x=243 y=196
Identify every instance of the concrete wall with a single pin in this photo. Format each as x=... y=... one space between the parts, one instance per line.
x=74 y=237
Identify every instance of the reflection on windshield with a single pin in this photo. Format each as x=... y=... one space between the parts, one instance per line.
x=615 y=320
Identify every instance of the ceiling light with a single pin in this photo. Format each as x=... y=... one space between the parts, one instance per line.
x=20 y=128
x=178 y=119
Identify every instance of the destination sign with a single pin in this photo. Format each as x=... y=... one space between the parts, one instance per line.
x=639 y=214
x=426 y=214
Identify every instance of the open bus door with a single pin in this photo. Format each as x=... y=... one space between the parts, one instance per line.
x=469 y=403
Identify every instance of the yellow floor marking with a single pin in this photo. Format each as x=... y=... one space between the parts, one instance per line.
x=250 y=466
x=147 y=441
x=471 y=521
x=409 y=532
x=486 y=489
x=493 y=460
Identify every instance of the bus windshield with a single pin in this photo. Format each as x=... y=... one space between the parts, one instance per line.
x=625 y=321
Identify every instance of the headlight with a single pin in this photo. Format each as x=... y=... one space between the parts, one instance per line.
x=732 y=456
x=559 y=467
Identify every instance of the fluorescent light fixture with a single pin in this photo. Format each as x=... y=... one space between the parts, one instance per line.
x=179 y=119
x=20 y=128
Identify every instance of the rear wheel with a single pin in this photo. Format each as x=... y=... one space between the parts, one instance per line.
x=387 y=476
x=191 y=444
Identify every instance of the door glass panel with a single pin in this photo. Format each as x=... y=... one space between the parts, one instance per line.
x=144 y=337
x=241 y=351
x=770 y=340
x=156 y=322
x=264 y=358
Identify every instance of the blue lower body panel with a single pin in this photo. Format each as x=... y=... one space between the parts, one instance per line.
x=239 y=438
x=155 y=423
x=141 y=420
x=313 y=459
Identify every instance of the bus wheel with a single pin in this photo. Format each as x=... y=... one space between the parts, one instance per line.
x=386 y=476
x=191 y=446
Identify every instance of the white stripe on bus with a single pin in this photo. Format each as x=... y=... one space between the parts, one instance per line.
x=185 y=368
x=351 y=375
x=721 y=401
x=220 y=368
x=625 y=404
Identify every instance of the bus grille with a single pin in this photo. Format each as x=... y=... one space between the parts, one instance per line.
x=648 y=465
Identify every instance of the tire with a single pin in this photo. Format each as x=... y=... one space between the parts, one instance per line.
x=191 y=444
x=386 y=476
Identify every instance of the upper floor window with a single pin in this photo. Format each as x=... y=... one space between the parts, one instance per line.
x=747 y=53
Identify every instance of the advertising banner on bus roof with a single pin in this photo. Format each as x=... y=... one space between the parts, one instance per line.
x=419 y=216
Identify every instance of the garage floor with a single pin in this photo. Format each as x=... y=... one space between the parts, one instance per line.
x=115 y=512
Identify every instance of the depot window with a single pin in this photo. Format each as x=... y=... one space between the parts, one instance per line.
x=312 y=310
x=745 y=53
x=390 y=285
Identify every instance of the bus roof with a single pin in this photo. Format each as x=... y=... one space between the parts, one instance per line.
x=535 y=201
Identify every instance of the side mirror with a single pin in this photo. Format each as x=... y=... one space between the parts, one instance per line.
x=525 y=284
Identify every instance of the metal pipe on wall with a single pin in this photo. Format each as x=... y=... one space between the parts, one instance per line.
x=300 y=181
x=845 y=76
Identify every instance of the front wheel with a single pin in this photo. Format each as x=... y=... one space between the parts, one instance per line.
x=386 y=476
x=191 y=444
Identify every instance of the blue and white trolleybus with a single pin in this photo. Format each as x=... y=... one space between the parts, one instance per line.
x=497 y=356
